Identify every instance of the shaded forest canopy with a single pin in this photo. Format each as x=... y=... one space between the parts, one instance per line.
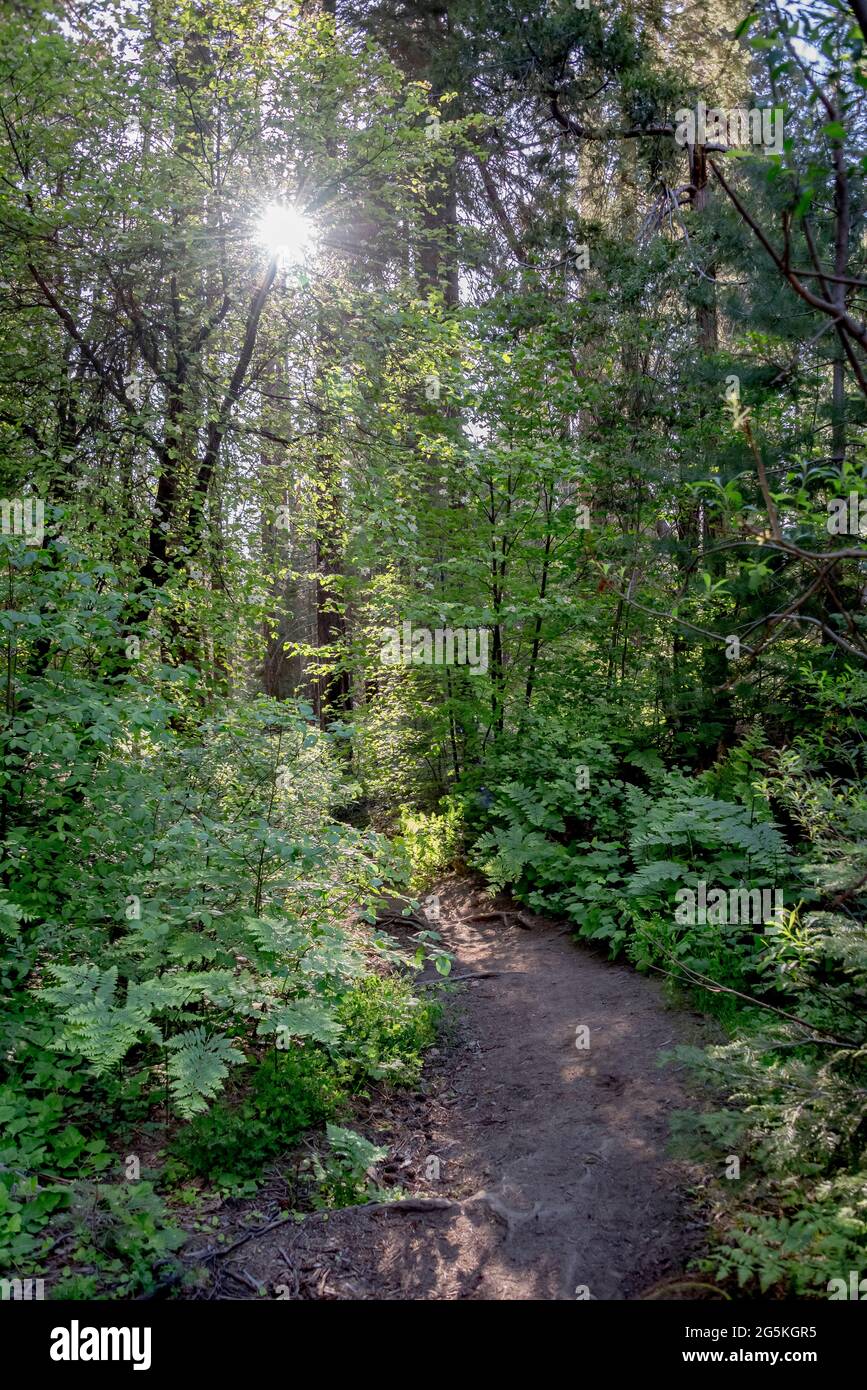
x=431 y=434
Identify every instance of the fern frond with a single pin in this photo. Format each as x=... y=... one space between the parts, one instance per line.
x=198 y=1067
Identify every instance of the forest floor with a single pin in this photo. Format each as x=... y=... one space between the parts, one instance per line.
x=554 y=1178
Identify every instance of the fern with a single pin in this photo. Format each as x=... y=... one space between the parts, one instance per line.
x=197 y=1068
x=303 y=1018
x=528 y=806
x=92 y=1024
x=358 y=1152
x=650 y=763
x=346 y=1176
x=703 y=829
x=654 y=875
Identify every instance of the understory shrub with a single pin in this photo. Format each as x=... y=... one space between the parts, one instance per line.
x=385 y=1030
x=183 y=918
x=430 y=840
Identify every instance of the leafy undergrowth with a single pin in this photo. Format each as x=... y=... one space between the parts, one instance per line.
x=599 y=831
x=201 y=982
x=307 y=1086
x=431 y=840
x=99 y=1223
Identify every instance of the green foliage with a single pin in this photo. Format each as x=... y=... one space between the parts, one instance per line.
x=42 y=1151
x=572 y=839
x=627 y=462
x=716 y=840
x=796 y=1218
x=556 y=842
x=203 y=916
x=197 y=1068
x=345 y=1177
x=431 y=841
x=127 y=1231
x=387 y=1030
x=290 y=1092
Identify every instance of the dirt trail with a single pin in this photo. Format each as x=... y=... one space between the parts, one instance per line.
x=553 y=1158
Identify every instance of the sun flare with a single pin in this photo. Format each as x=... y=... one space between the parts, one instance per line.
x=285 y=231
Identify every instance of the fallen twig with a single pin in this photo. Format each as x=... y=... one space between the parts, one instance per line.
x=296 y=1218
x=471 y=975
x=696 y=977
x=504 y=913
